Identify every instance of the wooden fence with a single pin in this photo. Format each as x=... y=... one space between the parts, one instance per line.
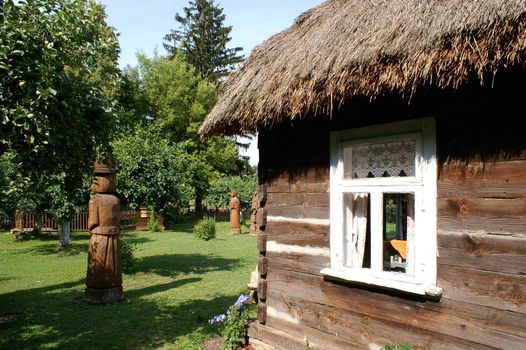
x=135 y=220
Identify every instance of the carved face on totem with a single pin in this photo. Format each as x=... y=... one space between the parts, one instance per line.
x=104 y=183
x=104 y=180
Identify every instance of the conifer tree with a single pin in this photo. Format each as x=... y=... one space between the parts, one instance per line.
x=202 y=37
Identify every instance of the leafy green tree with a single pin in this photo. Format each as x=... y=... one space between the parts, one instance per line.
x=134 y=110
x=58 y=85
x=203 y=39
x=219 y=193
x=151 y=172
x=180 y=100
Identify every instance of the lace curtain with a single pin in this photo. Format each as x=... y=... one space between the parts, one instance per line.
x=386 y=159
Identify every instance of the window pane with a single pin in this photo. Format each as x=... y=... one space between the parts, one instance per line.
x=398 y=232
x=385 y=159
x=357 y=230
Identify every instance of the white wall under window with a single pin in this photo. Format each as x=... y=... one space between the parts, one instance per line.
x=383 y=206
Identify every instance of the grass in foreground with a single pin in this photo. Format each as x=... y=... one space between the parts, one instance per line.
x=179 y=283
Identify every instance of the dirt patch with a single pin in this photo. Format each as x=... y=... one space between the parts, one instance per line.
x=212 y=344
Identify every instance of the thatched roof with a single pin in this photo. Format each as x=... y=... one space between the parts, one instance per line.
x=345 y=48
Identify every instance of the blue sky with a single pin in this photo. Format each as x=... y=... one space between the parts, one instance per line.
x=143 y=24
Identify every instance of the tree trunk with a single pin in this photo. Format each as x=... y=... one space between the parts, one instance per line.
x=37 y=227
x=65 y=234
x=198 y=204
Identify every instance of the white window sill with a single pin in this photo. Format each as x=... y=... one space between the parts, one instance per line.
x=397 y=282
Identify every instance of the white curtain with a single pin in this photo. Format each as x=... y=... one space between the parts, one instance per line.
x=356 y=218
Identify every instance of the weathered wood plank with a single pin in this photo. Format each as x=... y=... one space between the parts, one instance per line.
x=262 y=242
x=310 y=264
x=482 y=180
x=261 y=217
x=312 y=338
x=299 y=199
x=367 y=331
x=461 y=208
x=500 y=291
x=299 y=212
x=262 y=195
x=483 y=252
x=298 y=233
x=310 y=181
x=262 y=312
x=447 y=317
x=262 y=290
x=262 y=266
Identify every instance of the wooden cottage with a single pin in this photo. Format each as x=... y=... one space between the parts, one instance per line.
x=393 y=175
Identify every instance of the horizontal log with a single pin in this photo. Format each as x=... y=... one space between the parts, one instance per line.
x=497 y=290
x=299 y=212
x=262 y=290
x=262 y=195
x=461 y=208
x=369 y=332
x=262 y=265
x=310 y=264
x=514 y=227
x=262 y=242
x=483 y=252
x=448 y=317
x=298 y=233
x=306 y=199
x=483 y=180
x=272 y=339
x=261 y=217
x=262 y=312
x=311 y=338
x=311 y=181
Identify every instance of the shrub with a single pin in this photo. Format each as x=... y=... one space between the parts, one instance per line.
x=205 y=228
x=127 y=258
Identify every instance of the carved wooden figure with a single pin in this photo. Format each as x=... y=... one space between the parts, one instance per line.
x=104 y=277
x=235 y=208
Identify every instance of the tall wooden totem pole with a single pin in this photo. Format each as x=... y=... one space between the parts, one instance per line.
x=104 y=277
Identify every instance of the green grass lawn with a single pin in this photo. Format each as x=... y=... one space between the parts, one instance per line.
x=179 y=283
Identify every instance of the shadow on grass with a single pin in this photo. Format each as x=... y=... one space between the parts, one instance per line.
x=174 y=264
x=53 y=317
x=78 y=244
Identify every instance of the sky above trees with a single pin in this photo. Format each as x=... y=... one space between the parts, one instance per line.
x=142 y=26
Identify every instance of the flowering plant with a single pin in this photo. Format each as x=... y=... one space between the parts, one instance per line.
x=234 y=324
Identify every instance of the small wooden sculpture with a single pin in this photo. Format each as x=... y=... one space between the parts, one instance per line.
x=104 y=278
x=235 y=208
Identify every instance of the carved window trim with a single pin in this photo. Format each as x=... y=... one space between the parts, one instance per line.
x=423 y=271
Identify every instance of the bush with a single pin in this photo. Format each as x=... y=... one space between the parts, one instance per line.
x=205 y=229
x=127 y=258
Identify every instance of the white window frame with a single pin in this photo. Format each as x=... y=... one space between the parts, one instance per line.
x=422 y=272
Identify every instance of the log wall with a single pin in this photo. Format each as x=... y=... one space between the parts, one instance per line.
x=481 y=232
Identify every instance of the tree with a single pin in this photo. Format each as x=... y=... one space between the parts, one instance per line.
x=203 y=38
x=180 y=99
x=219 y=193
x=58 y=85
x=151 y=172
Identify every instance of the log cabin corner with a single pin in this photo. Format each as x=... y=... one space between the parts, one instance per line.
x=392 y=175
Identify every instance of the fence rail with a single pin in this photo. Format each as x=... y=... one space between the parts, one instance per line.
x=136 y=220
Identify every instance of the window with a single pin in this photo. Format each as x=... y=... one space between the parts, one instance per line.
x=383 y=206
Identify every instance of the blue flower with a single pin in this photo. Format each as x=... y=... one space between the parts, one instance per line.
x=217 y=319
x=241 y=301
